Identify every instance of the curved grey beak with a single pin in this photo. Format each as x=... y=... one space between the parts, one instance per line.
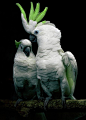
x=32 y=38
x=27 y=51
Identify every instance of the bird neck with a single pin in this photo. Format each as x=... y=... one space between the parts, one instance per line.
x=49 y=47
x=48 y=51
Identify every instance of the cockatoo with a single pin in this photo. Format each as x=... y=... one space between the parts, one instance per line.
x=56 y=69
x=24 y=71
x=25 y=74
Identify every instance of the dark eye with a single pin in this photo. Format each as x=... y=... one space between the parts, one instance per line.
x=36 y=32
x=21 y=46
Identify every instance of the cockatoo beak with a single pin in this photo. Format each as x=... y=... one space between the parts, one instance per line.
x=27 y=51
x=32 y=38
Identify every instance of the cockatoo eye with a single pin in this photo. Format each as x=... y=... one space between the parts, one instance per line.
x=36 y=32
x=21 y=46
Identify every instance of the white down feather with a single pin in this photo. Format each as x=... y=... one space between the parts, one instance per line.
x=24 y=70
x=48 y=60
x=50 y=67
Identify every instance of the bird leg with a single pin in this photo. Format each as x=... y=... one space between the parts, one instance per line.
x=65 y=90
x=46 y=102
x=17 y=102
x=47 y=99
x=64 y=102
x=39 y=91
x=41 y=87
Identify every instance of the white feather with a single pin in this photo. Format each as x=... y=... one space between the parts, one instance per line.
x=28 y=26
x=50 y=67
x=24 y=69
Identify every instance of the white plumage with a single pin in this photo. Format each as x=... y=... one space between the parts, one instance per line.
x=56 y=70
x=52 y=70
x=24 y=72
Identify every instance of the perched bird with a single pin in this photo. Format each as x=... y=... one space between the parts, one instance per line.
x=56 y=69
x=24 y=71
x=32 y=38
x=25 y=74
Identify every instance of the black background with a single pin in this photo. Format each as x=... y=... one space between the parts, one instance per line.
x=68 y=16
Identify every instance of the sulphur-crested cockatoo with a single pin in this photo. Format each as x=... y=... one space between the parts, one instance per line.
x=24 y=70
x=56 y=69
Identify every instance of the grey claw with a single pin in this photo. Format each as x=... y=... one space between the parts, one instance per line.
x=46 y=102
x=64 y=103
x=17 y=102
x=41 y=98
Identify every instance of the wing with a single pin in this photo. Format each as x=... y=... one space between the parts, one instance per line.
x=73 y=65
x=70 y=64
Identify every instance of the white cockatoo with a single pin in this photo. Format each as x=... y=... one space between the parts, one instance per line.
x=56 y=69
x=24 y=70
x=25 y=74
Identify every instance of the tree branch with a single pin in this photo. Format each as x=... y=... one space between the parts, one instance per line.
x=25 y=107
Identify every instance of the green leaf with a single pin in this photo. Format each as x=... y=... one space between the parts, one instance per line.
x=31 y=12
x=22 y=10
x=41 y=15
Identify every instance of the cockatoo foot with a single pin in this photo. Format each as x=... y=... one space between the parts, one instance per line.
x=41 y=98
x=17 y=102
x=34 y=98
x=64 y=103
x=46 y=102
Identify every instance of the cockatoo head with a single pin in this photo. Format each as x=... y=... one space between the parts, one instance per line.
x=24 y=46
x=40 y=32
x=46 y=34
x=34 y=18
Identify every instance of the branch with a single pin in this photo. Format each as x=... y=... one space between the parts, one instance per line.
x=25 y=107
